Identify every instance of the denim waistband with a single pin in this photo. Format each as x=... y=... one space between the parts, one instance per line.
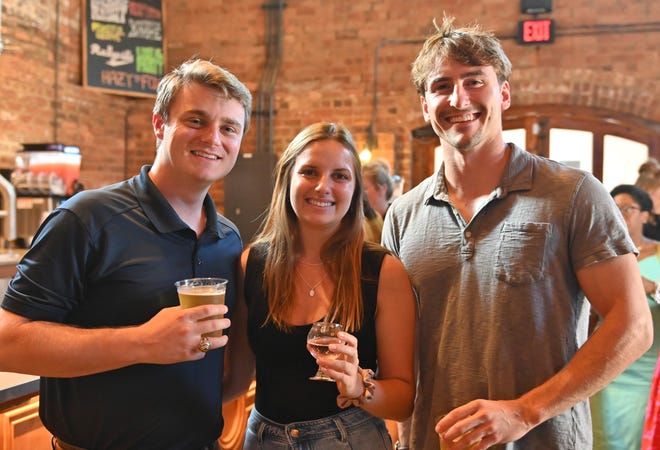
x=338 y=425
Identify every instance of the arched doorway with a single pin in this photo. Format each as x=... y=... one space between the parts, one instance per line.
x=608 y=144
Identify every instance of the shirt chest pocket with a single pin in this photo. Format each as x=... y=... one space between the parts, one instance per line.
x=521 y=255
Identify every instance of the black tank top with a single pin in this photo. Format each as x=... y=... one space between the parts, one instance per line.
x=283 y=365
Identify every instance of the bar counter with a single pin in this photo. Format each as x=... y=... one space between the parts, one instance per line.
x=8 y=261
x=14 y=386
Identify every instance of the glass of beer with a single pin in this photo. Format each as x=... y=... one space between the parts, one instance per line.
x=442 y=446
x=202 y=291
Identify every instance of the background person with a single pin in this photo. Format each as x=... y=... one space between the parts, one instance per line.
x=649 y=180
x=378 y=184
x=398 y=185
x=93 y=309
x=619 y=409
x=502 y=247
x=373 y=223
x=311 y=263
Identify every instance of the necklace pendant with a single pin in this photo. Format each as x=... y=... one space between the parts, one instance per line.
x=312 y=288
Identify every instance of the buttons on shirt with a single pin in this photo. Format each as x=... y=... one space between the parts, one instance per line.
x=467 y=246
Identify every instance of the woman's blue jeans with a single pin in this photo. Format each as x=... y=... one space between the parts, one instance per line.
x=353 y=429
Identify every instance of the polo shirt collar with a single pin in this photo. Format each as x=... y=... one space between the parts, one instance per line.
x=160 y=212
x=517 y=177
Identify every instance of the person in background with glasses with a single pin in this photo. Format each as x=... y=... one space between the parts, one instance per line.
x=619 y=409
x=312 y=263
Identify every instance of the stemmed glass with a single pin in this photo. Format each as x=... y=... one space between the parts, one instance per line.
x=320 y=336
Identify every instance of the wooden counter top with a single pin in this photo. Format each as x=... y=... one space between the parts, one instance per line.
x=16 y=385
x=13 y=385
x=8 y=261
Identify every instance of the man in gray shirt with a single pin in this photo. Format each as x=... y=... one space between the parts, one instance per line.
x=502 y=247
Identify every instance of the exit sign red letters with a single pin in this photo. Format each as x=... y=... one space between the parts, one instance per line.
x=536 y=31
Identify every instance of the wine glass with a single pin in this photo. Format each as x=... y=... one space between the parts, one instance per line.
x=320 y=336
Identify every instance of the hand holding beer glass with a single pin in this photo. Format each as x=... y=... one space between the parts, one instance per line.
x=202 y=291
x=444 y=443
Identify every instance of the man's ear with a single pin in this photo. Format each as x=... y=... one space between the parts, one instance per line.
x=425 y=109
x=159 y=125
x=505 y=91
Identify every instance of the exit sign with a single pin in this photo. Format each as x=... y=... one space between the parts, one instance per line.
x=536 y=31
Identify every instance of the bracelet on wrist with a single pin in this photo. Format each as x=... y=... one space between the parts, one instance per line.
x=398 y=446
x=367 y=376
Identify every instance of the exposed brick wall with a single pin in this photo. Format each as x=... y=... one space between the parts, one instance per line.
x=326 y=72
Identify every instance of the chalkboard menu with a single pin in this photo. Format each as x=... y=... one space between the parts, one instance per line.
x=123 y=46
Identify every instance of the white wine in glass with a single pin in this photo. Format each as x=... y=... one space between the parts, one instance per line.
x=319 y=338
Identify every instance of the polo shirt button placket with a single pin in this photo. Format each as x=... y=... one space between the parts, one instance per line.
x=467 y=246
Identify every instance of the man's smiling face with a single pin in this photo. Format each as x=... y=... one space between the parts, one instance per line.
x=464 y=104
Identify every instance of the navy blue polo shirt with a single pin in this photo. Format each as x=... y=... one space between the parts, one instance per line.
x=109 y=258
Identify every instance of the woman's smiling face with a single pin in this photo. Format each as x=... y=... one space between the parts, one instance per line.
x=322 y=184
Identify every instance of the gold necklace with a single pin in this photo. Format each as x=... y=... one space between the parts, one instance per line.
x=308 y=263
x=312 y=289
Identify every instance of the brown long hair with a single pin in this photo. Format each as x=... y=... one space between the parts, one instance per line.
x=341 y=254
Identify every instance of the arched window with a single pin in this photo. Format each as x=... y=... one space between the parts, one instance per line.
x=611 y=146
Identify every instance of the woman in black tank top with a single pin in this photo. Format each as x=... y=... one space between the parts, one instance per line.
x=310 y=263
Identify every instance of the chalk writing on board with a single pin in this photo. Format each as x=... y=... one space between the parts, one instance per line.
x=113 y=58
x=107 y=32
x=137 y=9
x=109 y=11
x=117 y=78
x=124 y=45
x=145 y=29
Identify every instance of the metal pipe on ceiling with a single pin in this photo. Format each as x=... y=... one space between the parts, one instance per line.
x=264 y=110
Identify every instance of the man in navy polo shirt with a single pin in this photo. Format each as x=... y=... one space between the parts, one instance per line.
x=93 y=309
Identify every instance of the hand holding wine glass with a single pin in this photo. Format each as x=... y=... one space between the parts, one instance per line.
x=319 y=338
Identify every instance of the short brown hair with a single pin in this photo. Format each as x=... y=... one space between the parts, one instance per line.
x=208 y=74
x=470 y=45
